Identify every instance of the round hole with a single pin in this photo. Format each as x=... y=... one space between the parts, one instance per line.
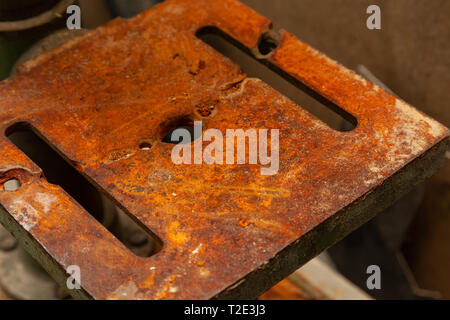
x=267 y=44
x=180 y=130
x=145 y=146
x=12 y=185
x=188 y=129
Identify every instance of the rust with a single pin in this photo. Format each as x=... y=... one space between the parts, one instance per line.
x=99 y=97
x=244 y=222
x=201 y=263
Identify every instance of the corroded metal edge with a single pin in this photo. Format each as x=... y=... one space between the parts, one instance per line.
x=35 y=249
x=340 y=225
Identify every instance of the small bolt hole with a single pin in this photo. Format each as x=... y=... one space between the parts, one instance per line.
x=205 y=111
x=12 y=185
x=145 y=146
x=267 y=44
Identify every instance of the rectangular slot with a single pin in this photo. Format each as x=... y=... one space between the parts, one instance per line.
x=141 y=241
x=331 y=114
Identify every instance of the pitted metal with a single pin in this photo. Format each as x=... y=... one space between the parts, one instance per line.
x=226 y=230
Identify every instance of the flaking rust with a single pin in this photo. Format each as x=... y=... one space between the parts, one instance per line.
x=227 y=231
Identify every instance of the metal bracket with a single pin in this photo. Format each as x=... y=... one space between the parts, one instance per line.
x=96 y=98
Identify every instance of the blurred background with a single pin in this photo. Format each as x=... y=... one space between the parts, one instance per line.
x=409 y=56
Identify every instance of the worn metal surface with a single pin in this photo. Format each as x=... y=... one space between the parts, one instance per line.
x=98 y=97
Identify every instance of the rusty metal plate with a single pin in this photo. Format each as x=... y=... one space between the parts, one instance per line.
x=227 y=231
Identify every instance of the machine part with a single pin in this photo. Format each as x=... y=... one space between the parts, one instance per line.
x=20 y=275
x=8 y=23
x=17 y=36
x=50 y=42
x=98 y=97
x=319 y=281
x=254 y=69
x=390 y=227
x=11 y=10
x=395 y=221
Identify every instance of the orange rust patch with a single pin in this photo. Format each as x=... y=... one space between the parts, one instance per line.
x=201 y=263
x=177 y=237
x=131 y=82
x=244 y=222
